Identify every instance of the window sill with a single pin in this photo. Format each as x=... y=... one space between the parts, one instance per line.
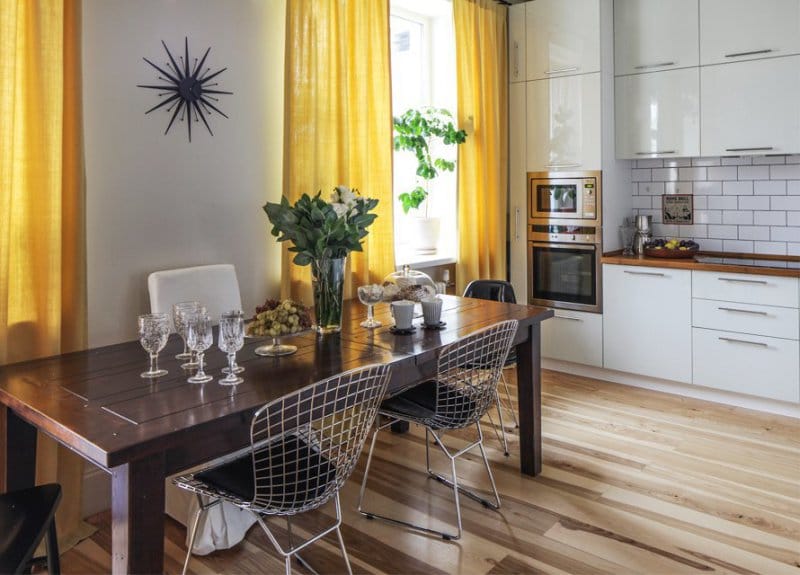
x=410 y=258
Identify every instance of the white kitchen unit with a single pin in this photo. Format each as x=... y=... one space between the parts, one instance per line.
x=562 y=37
x=516 y=43
x=647 y=321
x=745 y=334
x=517 y=194
x=750 y=107
x=563 y=123
x=574 y=336
x=736 y=30
x=658 y=114
x=653 y=35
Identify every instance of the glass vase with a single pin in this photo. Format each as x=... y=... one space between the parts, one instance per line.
x=327 y=281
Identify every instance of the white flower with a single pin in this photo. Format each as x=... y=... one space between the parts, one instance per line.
x=335 y=196
x=340 y=209
x=346 y=195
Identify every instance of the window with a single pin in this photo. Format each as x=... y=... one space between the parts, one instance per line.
x=423 y=74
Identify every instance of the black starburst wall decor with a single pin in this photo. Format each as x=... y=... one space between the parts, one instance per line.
x=187 y=90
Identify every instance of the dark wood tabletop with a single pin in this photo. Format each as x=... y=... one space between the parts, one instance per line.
x=141 y=431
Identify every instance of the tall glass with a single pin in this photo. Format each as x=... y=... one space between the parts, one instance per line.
x=199 y=337
x=370 y=295
x=178 y=312
x=231 y=340
x=153 y=334
x=236 y=368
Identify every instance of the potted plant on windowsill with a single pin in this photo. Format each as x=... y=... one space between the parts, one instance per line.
x=419 y=131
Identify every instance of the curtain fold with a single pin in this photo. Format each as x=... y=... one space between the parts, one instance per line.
x=482 y=85
x=338 y=122
x=42 y=226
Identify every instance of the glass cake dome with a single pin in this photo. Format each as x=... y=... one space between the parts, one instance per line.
x=408 y=284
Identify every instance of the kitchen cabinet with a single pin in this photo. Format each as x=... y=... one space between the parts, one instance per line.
x=647 y=321
x=562 y=37
x=658 y=114
x=518 y=194
x=735 y=30
x=746 y=288
x=516 y=43
x=750 y=107
x=563 y=123
x=574 y=336
x=652 y=35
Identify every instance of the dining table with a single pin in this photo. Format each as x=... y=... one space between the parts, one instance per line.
x=140 y=431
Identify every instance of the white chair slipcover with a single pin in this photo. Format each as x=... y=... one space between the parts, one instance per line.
x=217 y=288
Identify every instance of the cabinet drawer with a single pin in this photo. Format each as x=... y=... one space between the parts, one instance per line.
x=574 y=336
x=746 y=318
x=745 y=288
x=751 y=364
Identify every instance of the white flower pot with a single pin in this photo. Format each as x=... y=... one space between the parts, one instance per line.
x=424 y=234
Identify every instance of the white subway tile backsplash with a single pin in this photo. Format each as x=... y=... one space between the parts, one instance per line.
x=754 y=233
x=741 y=204
x=753 y=172
x=753 y=202
x=737 y=188
x=723 y=173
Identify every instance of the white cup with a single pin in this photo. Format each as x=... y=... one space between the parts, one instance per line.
x=403 y=312
x=432 y=310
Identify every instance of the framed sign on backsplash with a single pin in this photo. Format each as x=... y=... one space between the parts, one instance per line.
x=677 y=209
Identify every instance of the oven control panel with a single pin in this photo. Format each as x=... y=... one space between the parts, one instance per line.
x=589 y=199
x=564 y=233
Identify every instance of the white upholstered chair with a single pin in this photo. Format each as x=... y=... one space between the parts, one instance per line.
x=216 y=287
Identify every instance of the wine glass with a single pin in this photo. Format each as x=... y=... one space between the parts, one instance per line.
x=236 y=367
x=177 y=320
x=199 y=337
x=153 y=334
x=230 y=340
x=369 y=295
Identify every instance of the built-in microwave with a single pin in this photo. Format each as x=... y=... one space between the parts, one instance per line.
x=564 y=195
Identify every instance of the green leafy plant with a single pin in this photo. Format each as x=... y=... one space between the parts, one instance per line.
x=322 y=230
x=415 y=131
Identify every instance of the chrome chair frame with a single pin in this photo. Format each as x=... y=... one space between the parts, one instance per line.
x=303 y=448
x=468 y=371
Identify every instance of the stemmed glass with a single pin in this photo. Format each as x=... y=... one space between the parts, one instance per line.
x=231 y=340
x=179 y=312
x=199 y=337
x=369 y=295
x=153 y=334
x=235 y=368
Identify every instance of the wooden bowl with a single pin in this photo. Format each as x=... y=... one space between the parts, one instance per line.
x=670 y=253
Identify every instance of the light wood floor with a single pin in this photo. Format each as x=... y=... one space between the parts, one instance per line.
x=634 y=481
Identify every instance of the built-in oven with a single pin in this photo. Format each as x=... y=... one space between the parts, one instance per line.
x=565 y=240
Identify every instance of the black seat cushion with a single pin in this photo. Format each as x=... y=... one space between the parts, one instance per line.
x=25 y=516
x=419 y=404
x=297 y=473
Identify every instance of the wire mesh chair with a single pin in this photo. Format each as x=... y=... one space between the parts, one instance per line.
x=303 y=448
x=464 y=389
x=502 y=291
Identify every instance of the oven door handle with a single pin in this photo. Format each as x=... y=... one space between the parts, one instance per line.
x=580 y=247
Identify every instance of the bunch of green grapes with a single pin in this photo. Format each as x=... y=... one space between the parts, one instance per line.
x=276 y=318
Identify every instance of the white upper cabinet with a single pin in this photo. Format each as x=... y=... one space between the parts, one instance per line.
x=651 y=35
x=735 y=30
x=658 y=114
x=516 y=43
x=563 y=123
x=751 y=107
x=562 y=37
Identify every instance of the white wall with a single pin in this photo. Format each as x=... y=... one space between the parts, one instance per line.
x=154 y=201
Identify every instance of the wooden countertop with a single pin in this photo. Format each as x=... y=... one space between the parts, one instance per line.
x=730 y=266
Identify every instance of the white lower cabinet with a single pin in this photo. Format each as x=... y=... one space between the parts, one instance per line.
x=647 y=321
x=574 y=336
x=751 y=364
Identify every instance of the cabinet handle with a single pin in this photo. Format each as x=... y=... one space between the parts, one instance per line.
x=757 y=149
x=562 y=70
x=751 y=53
x=656 y=274
x=741 y=281
x=516 y=223
x=750 y=311
x=660 y=65
x=563 y=165
x=658 y=152
x=567 y=317
x=733 y=340
x=516 y=59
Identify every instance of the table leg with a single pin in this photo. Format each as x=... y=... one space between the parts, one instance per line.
x=137 y=516
x=18 y=439
x=529 y=393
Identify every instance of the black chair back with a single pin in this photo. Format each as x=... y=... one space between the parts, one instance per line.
x=495 y=290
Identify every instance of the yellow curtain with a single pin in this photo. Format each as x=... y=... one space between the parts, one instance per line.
x=482 y=76
x=338 y=121
x=42 y=232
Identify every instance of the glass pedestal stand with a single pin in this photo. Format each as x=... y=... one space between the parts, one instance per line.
x=277 y=349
